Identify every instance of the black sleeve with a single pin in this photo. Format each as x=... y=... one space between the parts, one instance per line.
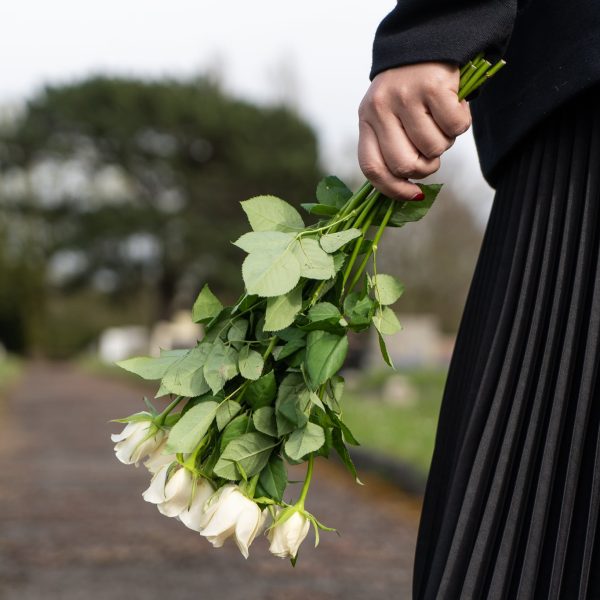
x=442 y=30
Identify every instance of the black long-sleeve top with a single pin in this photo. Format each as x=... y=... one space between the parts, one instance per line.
x=552 y=48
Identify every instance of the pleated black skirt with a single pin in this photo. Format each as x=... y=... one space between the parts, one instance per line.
x=512 y=505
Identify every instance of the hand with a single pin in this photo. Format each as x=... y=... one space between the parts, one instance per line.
x=408 y=118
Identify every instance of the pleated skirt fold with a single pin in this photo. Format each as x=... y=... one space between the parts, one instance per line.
x=513 y=497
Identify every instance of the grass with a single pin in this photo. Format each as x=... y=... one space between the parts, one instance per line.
x=403 y=428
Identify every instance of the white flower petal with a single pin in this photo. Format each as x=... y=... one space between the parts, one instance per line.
x=118 y=437
x=155 y=494
x=178 y=493
x=286 y=537
x=191 y=517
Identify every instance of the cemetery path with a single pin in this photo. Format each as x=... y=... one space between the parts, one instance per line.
x=73 y=525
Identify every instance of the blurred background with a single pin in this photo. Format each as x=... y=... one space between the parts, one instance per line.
x=129 y=132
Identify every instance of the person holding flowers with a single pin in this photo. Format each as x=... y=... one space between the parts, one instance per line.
x=512 y=503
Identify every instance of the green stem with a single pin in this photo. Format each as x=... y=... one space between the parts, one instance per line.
x=475 y=80
x=251 y=486
x=160 y=420
x=366 y=209
x=304 y=492
x=270 y=347
x=358 y=245
x=365 y=189
x=384 y=222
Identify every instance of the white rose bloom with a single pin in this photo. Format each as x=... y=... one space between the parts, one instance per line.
x=158 y=458
x=173 y=495
x=286 y=537
x=230 y=513
x=178 y=493
x=155 y=494
x=192 y=516
x=136 y=441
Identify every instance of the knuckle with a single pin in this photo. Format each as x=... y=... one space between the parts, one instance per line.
x=459 y=125
x=404 y=168
x=435 y=149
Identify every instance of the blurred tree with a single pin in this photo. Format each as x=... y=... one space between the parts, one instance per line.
x=138 y=182
x=435 y=259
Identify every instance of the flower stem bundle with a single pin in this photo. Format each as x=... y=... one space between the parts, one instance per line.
x=262 y=389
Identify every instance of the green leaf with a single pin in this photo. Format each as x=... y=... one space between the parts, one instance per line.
x=282 y=310
x=291 y=333
x=250 y=363
x=335 y=391
x=268 y=213
x=384 y=351
x=221 y=366
x=192 y=427
x=226 y=411
x=340 y=448
x=292 y=405
x=302 y=441
x=246 y=455
x=316 y=401
x=314 y=262
x=359 y=310
x=332 y=242
x=151 y=368
x=324 y=311
x=237 y=331
x=186 y=377
x=332 y=191
x=261 y=392
x=325 y=355
x=348 y=435
x=320 y=210
x=272 y=272
x=386 y=321
x=290 y=348
x=387 y=288
x=206 y=307
x=273 y=479
x=264 y=421
x=240 y=425
x=405 y=212
x=264 y=240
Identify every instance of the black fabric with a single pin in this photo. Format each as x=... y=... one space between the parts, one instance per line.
x=513 y=496
x=552 y=51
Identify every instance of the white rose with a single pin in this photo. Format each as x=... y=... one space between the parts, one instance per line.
x=230 y=513
x=138 y=440
x=192 y=516
x=287 y=536
x=158 y=458
x=172 y=494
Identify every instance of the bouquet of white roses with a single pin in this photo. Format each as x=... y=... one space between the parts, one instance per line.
x=262 y=388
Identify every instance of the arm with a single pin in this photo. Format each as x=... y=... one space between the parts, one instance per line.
x=410 y=114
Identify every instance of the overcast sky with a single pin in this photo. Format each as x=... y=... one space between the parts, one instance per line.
x=314 y=53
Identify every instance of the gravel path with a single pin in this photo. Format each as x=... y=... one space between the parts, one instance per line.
x=73 y=525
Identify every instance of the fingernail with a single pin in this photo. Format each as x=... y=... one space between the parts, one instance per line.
x=419 y=196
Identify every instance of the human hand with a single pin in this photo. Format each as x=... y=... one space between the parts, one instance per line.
x=408 y=118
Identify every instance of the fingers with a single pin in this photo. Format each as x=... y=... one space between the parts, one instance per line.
x=375 y=169
x=398 y=151
x=452 y=116
x=424 y=133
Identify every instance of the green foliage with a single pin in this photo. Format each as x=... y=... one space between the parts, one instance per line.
x=263 y=384
x=206 y=307
x=192 y=427
x=245 y=456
